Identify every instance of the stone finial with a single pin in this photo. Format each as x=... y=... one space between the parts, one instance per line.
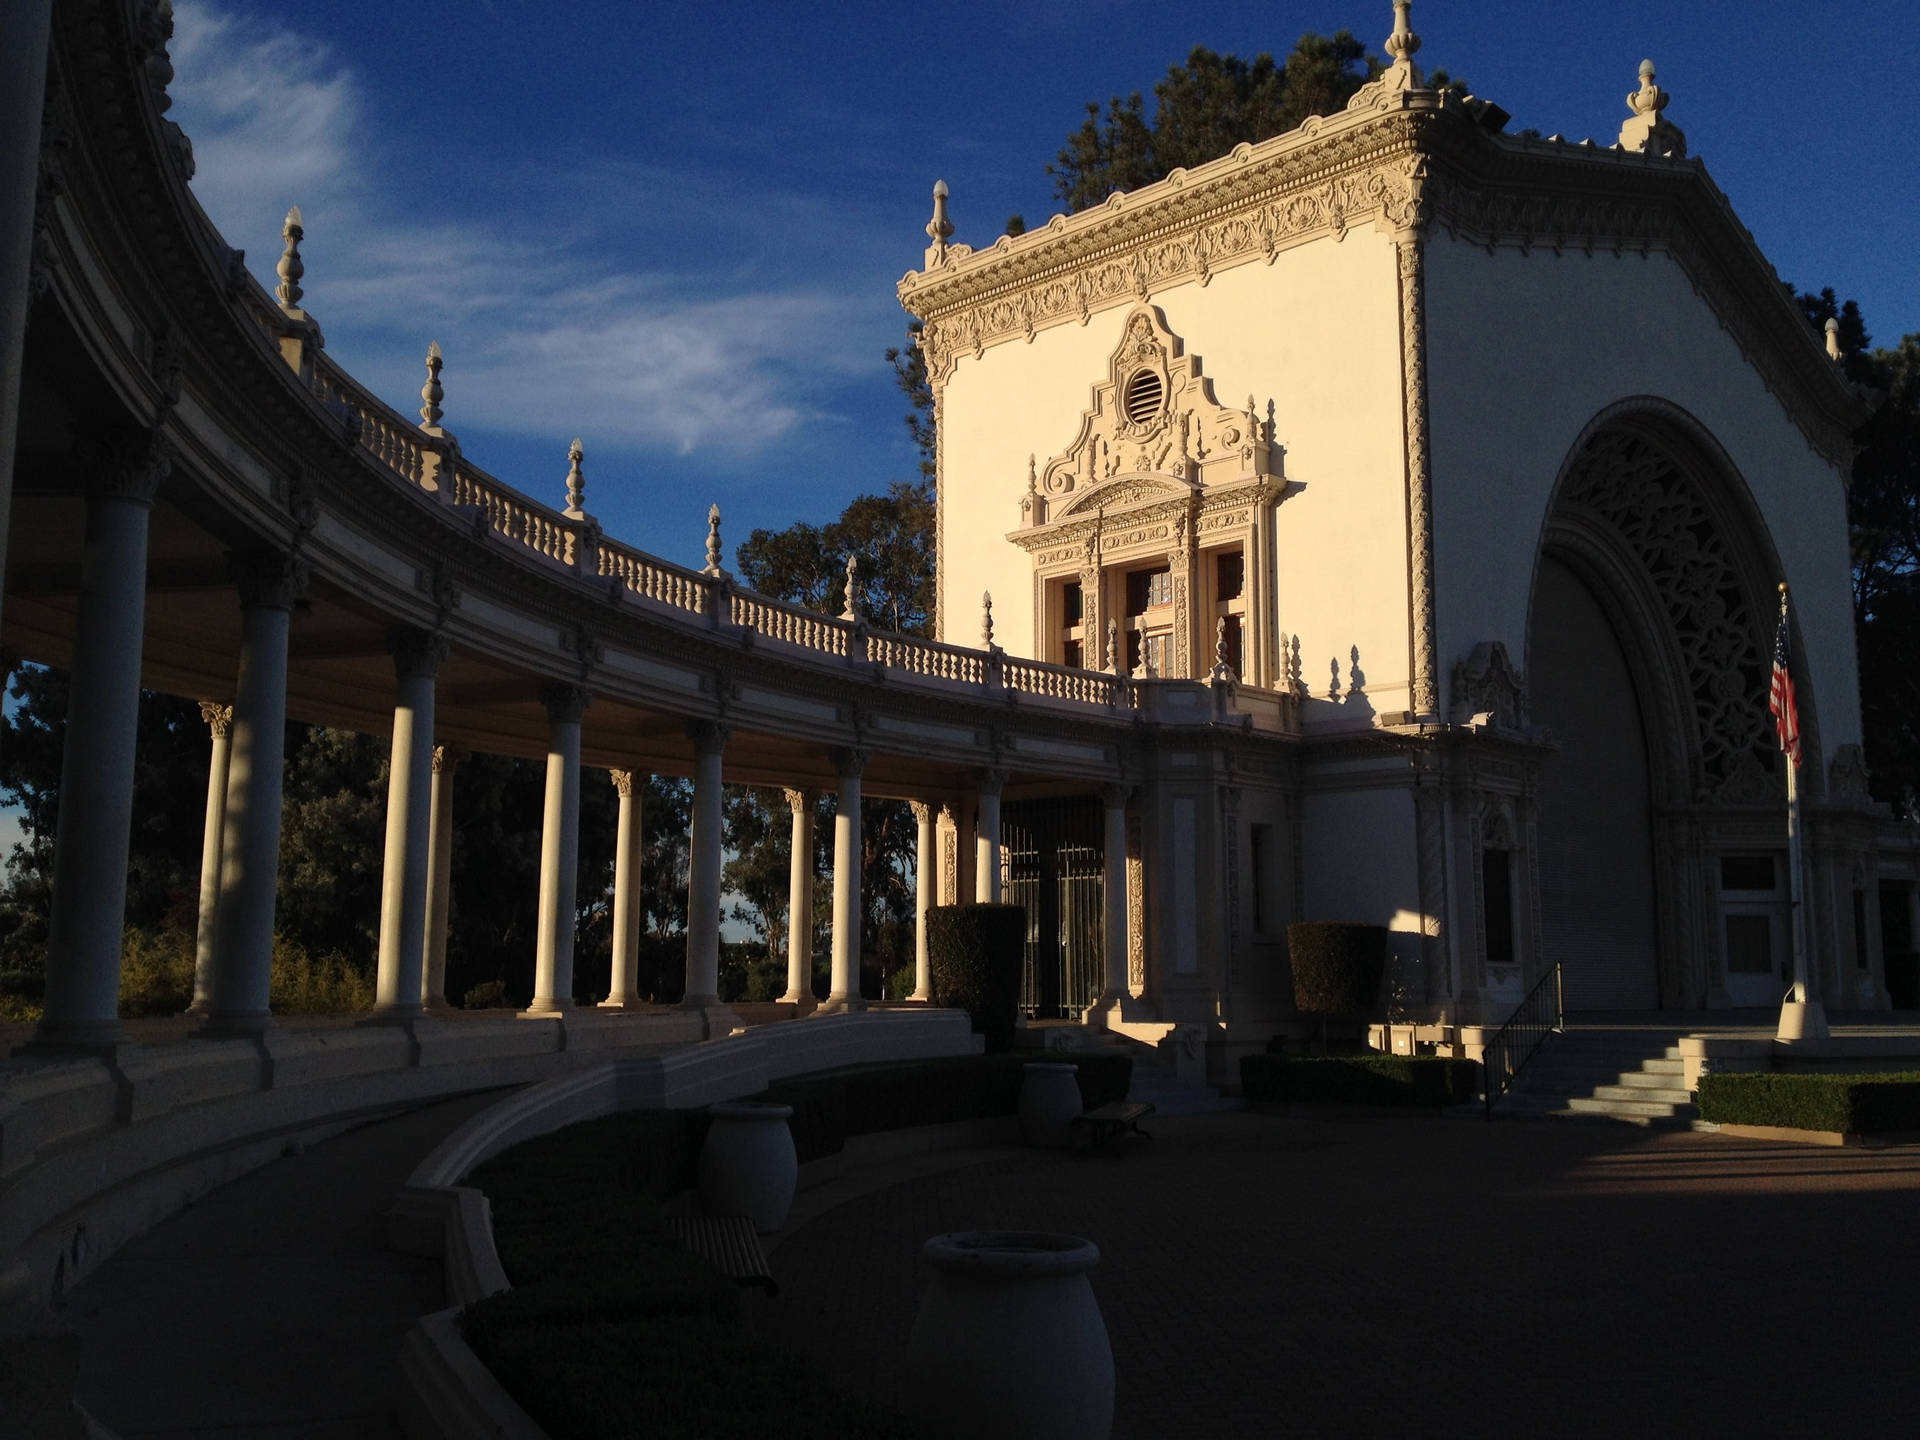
x=1113 y=646
x=713 y=541
x=986 y=620
x=290 y=268
x=576 y=482
x=1222 y=671
x=1833 y=339
x=1648 y=131
x=938 y=228
x=1402 y=44
x=432 y=393
x=851 y=610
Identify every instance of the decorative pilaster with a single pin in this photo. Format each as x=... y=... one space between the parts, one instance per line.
x=922 y=899
x=703 y=867
x=417 y=657
x=623 y=986
x=96 y=767
x=559 y=851
x=433 y=958
x=800 y=901
x=1113 y=856
x=1182 y=568
x=219 y=720
x=986 y=838
x=844 y=991
x=269 y=584
x=1419 y=478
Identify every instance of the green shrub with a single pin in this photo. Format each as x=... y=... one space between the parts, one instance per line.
x=487 y=995
x=1410 y=1080
x=302 y=983
x=1846 y=1104
x=901 y=983
x=156 y=972
x=977 y=953
x=1337 y=968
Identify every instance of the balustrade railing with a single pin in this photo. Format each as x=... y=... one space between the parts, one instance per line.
x=1539 y=1015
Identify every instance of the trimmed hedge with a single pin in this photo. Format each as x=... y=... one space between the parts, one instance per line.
x=976 y=954
x=1337 y=968
x=1846 y=1104
x=1407 y=1080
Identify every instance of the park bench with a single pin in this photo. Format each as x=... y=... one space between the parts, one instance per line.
x=1113 y=1120
x=730 y=1244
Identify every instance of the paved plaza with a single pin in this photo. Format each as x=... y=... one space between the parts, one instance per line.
x=1334 y=1273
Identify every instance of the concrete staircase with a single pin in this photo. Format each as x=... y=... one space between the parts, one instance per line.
x=1605 y=1073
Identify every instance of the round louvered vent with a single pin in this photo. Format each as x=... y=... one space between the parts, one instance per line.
x=1143 y=397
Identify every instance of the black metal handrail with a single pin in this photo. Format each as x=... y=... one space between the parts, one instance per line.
x=1539 y=1015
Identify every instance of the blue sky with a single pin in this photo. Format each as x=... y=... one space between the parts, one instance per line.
x=675 y=230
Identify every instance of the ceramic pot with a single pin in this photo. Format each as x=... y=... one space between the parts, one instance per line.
x=1049 y=1099
x=1009 y=1341
x=747 y=1165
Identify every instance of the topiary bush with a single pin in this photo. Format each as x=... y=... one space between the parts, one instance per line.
x=1403 y=1080
x=977 y=953
x=1337 y=968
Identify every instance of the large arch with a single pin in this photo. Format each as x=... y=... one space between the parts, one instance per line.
x=1648 y=645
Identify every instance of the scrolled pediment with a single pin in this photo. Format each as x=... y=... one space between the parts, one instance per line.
x=1124 y=492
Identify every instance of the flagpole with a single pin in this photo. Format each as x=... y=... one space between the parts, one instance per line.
x=1801 y=1016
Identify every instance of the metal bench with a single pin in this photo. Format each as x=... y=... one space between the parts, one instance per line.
x=730 y=1244
x=1111 y=1121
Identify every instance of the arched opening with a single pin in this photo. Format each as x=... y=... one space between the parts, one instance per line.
x=1647 y=658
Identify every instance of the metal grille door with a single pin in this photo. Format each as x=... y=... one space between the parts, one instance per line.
x=1053 y=860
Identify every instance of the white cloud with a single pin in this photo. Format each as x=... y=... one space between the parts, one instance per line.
x=543 y=335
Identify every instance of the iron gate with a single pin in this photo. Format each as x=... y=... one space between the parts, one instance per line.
x=1052 y=863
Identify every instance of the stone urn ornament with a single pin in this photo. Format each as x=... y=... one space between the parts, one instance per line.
x=1049 y=1099
x=1009 y=1341
x=747 y=1165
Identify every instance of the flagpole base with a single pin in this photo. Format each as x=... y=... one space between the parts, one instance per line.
x=1801 y=1021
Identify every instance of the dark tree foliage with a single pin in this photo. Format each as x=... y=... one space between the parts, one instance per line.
x=1883 y=513
x=1204 y=108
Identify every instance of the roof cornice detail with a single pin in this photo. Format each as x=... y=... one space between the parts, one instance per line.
x=1418 y=161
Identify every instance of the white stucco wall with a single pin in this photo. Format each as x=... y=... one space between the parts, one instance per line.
x=1317 y=332
x=1525 y=349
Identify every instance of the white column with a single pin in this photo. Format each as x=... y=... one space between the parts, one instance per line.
x=433 y=959
x=1114 y=856
x=703 y=868
x=250 y=841
x=417 y=657
x=96 y=767
x=986 y=839
x=800 y=901
x=559 y=851
x=24 y=27
x=923 y=863
x=219 y=720
x=844 y=991
x=622 y=991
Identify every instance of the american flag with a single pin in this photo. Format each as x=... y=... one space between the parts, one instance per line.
x=1780 y=701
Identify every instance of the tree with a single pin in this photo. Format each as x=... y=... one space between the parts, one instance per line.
x=1204 y=108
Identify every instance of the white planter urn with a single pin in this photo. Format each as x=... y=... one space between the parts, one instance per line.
x=1049 y=1099
x=1009 y=1342
x=747 y=1165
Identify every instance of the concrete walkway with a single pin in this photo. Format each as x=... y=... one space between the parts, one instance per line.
x=1266 y=1274
x=273 y=1307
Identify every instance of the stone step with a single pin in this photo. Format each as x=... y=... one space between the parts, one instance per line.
x=1661 y=1079
x=1672 y=1095
x=1651 y=1109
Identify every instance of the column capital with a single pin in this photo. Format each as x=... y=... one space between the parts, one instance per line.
x=622 y=782
x=566 y=704
x=922 y=811
x=709 y=737
x=131 y=472
x=417 y=653
x=849 y=761
x=948 y=813
x=219 y=716
x=446 y=757
x=800 y=801
x=268 y=579
x=990 y=781
x=1114 y=794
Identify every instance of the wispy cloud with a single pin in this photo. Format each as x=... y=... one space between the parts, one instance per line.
x=545 y=329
